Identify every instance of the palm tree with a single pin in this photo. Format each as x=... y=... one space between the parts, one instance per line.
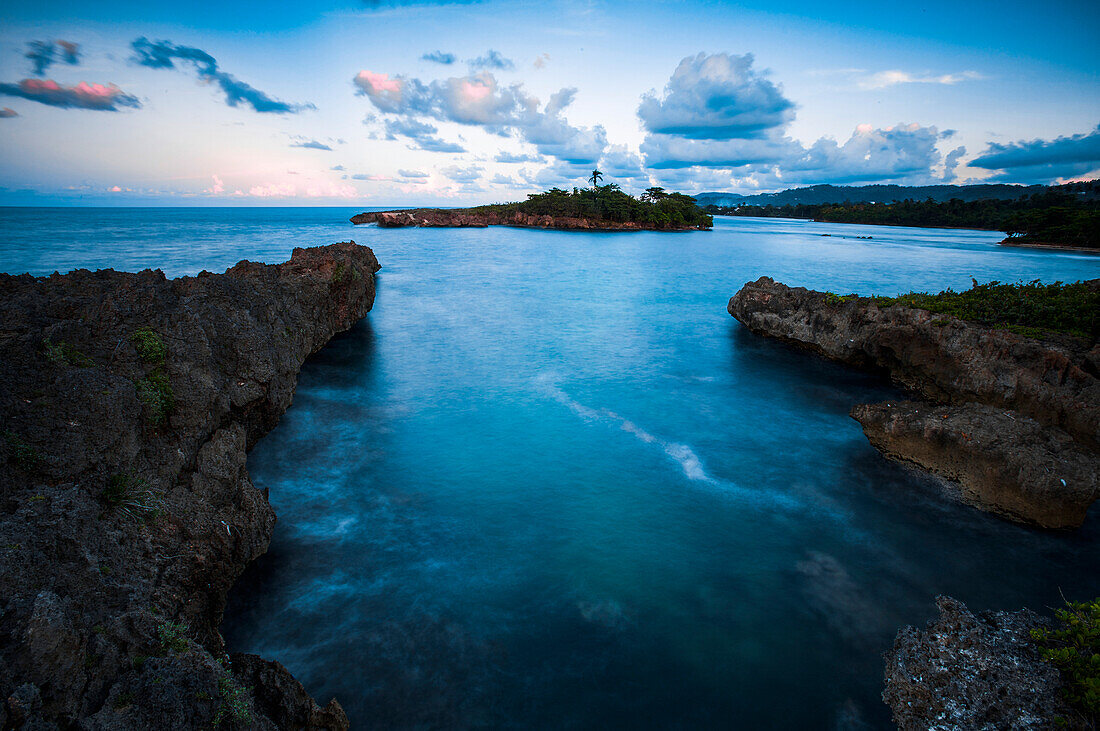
x=595 y=178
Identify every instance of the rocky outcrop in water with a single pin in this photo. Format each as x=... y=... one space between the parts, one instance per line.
x=472 y=218
x=973 y=672
x=1014 y=421
x=1004 y=461
x=128 y=403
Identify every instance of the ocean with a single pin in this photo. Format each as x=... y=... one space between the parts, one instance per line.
x=550 y=483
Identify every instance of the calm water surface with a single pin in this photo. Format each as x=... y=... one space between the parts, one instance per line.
x=550 y=483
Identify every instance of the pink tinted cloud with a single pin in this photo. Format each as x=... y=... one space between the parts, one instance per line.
x=378 y=82
x=474 y=90
x=387 y=93
x=99 y=97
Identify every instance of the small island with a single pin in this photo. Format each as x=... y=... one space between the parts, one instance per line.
x=599 y=208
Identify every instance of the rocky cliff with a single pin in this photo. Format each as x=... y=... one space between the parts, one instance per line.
x=973 y=672
x=473 y=218
x=1014 y=421
x=128 y=403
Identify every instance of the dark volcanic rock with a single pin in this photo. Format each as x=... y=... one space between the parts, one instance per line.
x=972 y=672
x=469 y=218
x=283 y=699
x=1005 y=463
x=939 y=357
x=1040 y=423
x=127 y=403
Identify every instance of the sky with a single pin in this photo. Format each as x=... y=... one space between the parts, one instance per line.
x=415 y=102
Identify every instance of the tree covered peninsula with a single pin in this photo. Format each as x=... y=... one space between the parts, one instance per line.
x=1068 y=215
x=599 y=208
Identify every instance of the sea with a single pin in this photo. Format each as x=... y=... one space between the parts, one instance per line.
x=549 y=482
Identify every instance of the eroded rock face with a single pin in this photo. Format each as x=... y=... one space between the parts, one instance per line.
x=1004 y=462
x=283 y=699
x=466 y=218
x=972 y=672
x=1023 y=434
x=109 y=611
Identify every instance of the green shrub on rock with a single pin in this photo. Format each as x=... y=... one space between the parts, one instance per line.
x=155 y=392
x=833 y=298
x=1074 y=648
x=132 y=496
x=343 y=271
x=150 y=346
x=63 y=354
x=234 y=701
x=172 y=636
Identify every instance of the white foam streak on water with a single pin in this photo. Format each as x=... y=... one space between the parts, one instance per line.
x=684 y=455
x=681 y=454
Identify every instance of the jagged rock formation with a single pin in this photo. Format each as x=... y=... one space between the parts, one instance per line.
x=973 y=672
x=472 y=218
x=1004 y=461
x=1013 y=420
x=128 y=402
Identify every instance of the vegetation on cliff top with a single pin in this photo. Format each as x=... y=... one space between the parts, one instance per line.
x=1032 y=308
x=1069 y=216
x=1074 y=648
x=656 y=207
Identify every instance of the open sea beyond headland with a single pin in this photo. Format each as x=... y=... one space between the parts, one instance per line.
x=550 y=483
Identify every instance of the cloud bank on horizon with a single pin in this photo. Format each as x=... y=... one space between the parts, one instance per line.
x=417 y=124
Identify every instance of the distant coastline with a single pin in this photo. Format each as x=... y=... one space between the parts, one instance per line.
x=1044 y=245
x=1053 y=218
x=1008 y=241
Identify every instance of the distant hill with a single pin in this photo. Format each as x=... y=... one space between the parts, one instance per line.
x=1057 y=215
x=818 y=194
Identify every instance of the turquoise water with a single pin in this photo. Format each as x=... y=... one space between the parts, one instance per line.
x=550 y=483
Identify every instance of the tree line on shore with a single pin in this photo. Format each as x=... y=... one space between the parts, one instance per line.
x=1050 y=217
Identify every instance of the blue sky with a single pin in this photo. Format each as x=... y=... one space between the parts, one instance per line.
x=390 y=102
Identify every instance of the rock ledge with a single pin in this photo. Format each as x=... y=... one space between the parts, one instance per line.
x=1014 y=421
x=128 y=404
x=972 y=672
